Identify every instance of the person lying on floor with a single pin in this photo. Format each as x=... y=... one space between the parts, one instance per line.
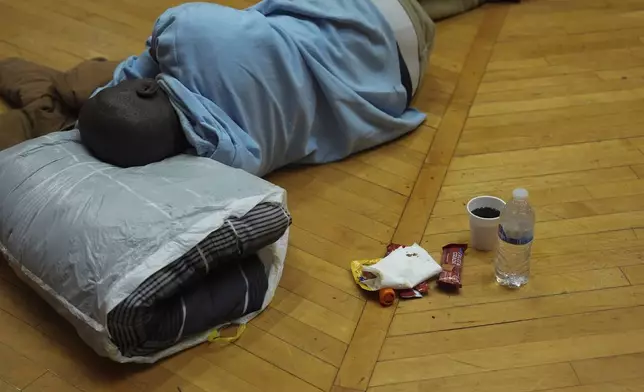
x=282 y=82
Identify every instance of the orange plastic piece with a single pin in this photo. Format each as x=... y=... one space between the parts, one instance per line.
x=387 y=297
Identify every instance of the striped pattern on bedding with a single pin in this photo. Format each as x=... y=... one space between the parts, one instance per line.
x=154 y=316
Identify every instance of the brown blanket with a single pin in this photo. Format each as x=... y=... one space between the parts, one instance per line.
x=45 y=100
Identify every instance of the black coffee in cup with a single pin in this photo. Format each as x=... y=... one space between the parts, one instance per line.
x=486 y=212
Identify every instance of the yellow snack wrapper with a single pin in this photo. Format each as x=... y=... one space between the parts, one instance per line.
x=356 y=271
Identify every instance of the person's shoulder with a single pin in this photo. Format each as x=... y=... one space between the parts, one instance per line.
x=195 y=36
x=195 y=13
x=201 y=7
x=209 y=20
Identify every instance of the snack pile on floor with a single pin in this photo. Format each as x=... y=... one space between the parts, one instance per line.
x=405 y=271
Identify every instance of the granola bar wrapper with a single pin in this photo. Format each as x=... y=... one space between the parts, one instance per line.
x=452 y=264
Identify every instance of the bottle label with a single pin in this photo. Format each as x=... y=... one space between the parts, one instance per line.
x=514 y=241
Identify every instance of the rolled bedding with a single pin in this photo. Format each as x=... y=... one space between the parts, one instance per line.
x=144 y=262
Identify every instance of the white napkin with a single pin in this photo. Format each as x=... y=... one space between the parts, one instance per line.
x=403 y=268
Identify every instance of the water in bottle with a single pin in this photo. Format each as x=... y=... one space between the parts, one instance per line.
x=516 y=232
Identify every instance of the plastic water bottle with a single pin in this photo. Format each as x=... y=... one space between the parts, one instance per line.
x=516 y=233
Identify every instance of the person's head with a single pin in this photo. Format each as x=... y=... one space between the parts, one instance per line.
x=131 y=124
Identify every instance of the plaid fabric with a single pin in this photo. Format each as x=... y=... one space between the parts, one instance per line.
x=153 y=317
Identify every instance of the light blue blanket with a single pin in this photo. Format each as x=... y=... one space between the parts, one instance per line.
x=285 y=81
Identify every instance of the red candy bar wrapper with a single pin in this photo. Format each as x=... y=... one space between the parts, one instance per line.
x=422 y=288
x=417 y=292
x=392 y=247
x=409 y=294
x=452 y=264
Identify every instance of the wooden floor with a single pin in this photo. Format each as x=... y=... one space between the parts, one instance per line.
x=548 y=95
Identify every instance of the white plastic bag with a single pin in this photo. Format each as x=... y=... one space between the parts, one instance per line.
x=403 y=268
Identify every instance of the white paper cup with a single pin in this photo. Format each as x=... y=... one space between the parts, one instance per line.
x=484 y=231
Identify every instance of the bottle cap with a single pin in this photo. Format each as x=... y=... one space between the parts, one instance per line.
x=520 y=194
